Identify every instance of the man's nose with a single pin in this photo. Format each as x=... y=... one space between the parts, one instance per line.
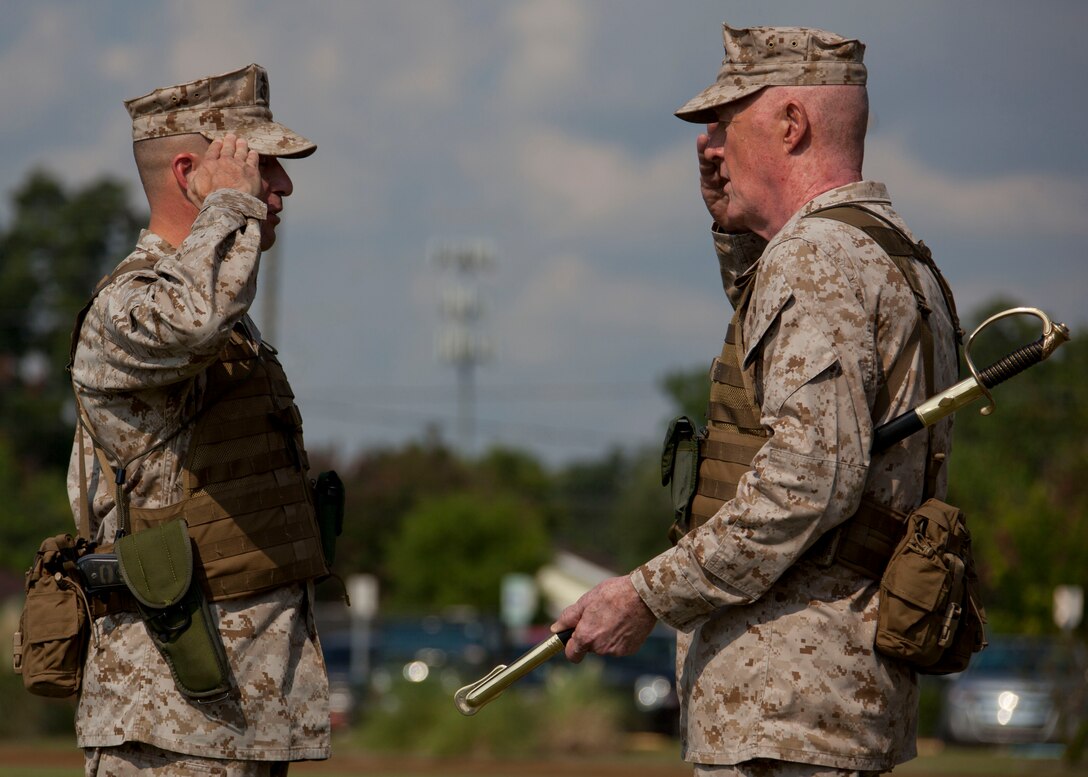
x=279 y=181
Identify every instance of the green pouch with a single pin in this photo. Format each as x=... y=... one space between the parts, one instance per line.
x=157 y=567
x=680 y=471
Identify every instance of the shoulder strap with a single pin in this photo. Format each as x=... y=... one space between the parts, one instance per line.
x=901 y=250
x=108 y=459
x=142 y=262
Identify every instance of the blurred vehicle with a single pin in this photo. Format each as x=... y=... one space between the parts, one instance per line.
x=1018 y=690
x=450 y=649
x=647 y=679
x=649 y=676
x=343 y=696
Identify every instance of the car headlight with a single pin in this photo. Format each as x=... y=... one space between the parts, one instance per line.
x=651 y=691
x=416 y=671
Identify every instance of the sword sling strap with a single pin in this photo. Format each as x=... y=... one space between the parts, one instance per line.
x=734 y=433
x=866 y=540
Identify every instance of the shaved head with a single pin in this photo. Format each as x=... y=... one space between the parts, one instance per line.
x=154 y=156
x=838 y=117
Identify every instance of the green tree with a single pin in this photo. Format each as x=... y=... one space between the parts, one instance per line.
x=454 y=550
x=57 y=246
x=35 y=507
x=615 y=511
x=381 y=487
x=1019 y=475
x=689 y=391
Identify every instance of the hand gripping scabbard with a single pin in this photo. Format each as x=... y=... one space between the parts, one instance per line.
x=157 y=566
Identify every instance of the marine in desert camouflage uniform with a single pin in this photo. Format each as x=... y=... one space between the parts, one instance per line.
x=776 y=666
x=209 y=155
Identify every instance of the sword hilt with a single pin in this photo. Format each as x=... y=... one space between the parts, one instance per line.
x=979 y=384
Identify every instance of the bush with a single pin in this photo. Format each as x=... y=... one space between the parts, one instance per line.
x=573 y=713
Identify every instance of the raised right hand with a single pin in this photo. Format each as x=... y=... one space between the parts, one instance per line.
x=711 y=184
x=228 y=163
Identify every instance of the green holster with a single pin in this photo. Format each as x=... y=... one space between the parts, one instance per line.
x=157 y=566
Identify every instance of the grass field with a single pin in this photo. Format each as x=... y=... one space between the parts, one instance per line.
x=60 y=759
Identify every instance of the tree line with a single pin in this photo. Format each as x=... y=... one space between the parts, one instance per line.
x=438 y=529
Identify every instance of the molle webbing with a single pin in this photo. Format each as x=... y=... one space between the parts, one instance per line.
x=248 y=503
x=734 y=433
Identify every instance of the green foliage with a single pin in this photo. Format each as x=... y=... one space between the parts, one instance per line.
x=689 y=391
x=37 y=716
x=1019 y=475
x=576 y=713
x=614 y=510
x=454 y=550
x=419 y=718
x=35 y=507
x=381 y=487
x=56 y=248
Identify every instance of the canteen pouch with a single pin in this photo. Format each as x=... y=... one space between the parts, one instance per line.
x=51 y=643
x=930 y=612
x=157 y=566
x=680 y=471
x=329 y=507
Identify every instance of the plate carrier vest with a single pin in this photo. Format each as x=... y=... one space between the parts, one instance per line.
x=734 y=434
x=248 y=502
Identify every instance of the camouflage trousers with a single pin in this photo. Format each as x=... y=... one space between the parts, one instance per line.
x=763 y=767
x=136 y=759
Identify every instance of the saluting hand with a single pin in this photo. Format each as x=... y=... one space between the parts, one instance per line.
x=711 y=184
x=229 y=163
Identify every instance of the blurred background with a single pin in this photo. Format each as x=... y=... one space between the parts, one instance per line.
x=493 y=286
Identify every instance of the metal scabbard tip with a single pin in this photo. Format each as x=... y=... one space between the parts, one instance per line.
x=475 y=695
x=470 y=698
x=461 y=700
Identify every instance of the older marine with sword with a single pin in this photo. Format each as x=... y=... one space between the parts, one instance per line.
x=788 y=509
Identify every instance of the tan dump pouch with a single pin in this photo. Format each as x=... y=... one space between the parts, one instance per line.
x=50 y=645
x=929 y=614
x=157 y=567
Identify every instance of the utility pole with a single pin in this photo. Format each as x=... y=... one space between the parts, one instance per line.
x=460 y=340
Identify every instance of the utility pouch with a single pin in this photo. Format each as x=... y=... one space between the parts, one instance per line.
x=680 y=471
x=51 y=643
x=329 y=507
x=930 y=613
x=157 y=566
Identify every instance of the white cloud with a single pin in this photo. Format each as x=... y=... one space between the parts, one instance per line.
x=37 y=65
x=566 y=309
x=550 y=41
x=1013 y=204
x=581 y=186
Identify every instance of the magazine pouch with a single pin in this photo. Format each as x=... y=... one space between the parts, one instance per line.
x=157 y=566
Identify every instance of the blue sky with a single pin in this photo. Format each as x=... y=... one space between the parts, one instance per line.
x=545 y=127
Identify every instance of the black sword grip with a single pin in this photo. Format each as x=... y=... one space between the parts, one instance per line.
x=903 y=426
x=1016 y=362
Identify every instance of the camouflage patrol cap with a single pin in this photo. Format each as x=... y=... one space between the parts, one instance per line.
x=758 y=57
x=213 y=106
